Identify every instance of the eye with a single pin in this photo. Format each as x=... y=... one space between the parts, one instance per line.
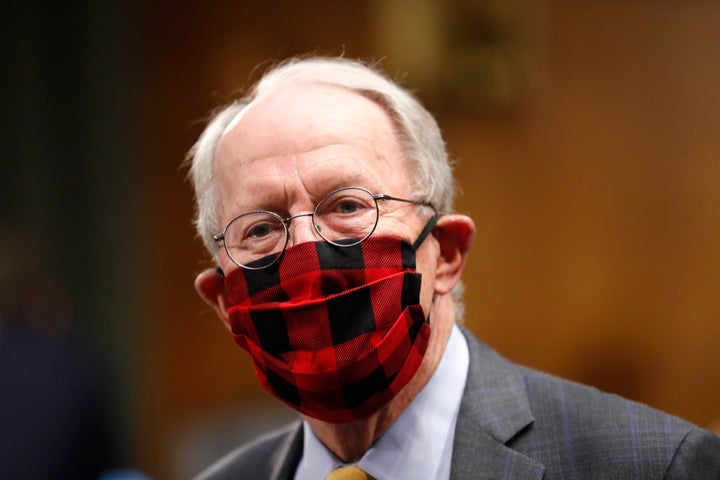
x=345 y=202
x=260 y=230
x=348 y=206
x=255 y=228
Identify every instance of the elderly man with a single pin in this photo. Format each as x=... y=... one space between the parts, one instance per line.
x=325 y=197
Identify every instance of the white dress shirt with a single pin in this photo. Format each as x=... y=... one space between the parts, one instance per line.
x=419 y=443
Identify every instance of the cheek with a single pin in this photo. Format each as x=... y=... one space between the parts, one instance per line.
x=427 y=293
x=426 y=266
x=227 y=265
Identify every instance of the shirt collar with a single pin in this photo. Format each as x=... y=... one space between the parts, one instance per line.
x=419 y=443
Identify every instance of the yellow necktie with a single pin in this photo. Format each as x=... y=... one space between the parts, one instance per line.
x=349 y=473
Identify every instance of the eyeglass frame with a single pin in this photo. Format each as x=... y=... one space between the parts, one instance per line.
x=285 y=221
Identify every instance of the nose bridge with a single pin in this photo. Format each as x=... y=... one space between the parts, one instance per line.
x=300 y=229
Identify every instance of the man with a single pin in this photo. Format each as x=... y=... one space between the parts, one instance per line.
x=325 y=198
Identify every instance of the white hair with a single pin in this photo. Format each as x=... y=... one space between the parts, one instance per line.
x=417 y=130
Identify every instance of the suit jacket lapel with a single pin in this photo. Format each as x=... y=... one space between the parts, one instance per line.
x=286 y=457
x=494 y=409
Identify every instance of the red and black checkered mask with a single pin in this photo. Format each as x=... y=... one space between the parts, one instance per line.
x=334 y=332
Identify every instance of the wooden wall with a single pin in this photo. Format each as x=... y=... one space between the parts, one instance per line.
x=592 y=179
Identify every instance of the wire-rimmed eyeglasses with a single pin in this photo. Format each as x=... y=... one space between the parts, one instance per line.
x=344 y=217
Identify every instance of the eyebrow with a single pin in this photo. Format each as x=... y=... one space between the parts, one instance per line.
x=346 y=181
x=280 y=206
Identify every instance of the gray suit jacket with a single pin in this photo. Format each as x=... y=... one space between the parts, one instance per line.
x=518 y=423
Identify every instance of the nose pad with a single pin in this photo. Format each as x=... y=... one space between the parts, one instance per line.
x=301 y=230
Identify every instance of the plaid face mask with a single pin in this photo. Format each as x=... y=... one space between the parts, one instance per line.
x=334 y=332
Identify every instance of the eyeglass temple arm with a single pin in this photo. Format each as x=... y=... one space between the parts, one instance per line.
x=382 y=196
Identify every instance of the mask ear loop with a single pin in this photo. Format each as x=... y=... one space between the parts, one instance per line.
x=425 y=232
x=421 y=238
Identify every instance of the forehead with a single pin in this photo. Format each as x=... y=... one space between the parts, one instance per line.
x=310 y=137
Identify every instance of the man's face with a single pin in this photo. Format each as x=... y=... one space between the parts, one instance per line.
x=289 y=149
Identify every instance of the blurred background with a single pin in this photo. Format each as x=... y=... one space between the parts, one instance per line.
x=587 y=141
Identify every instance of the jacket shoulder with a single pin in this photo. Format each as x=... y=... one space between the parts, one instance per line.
x=574 y=430
x=580 y=429
x=266 y=457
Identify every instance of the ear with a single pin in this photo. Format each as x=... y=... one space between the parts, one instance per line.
x=455 y=234
x=210 y=285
